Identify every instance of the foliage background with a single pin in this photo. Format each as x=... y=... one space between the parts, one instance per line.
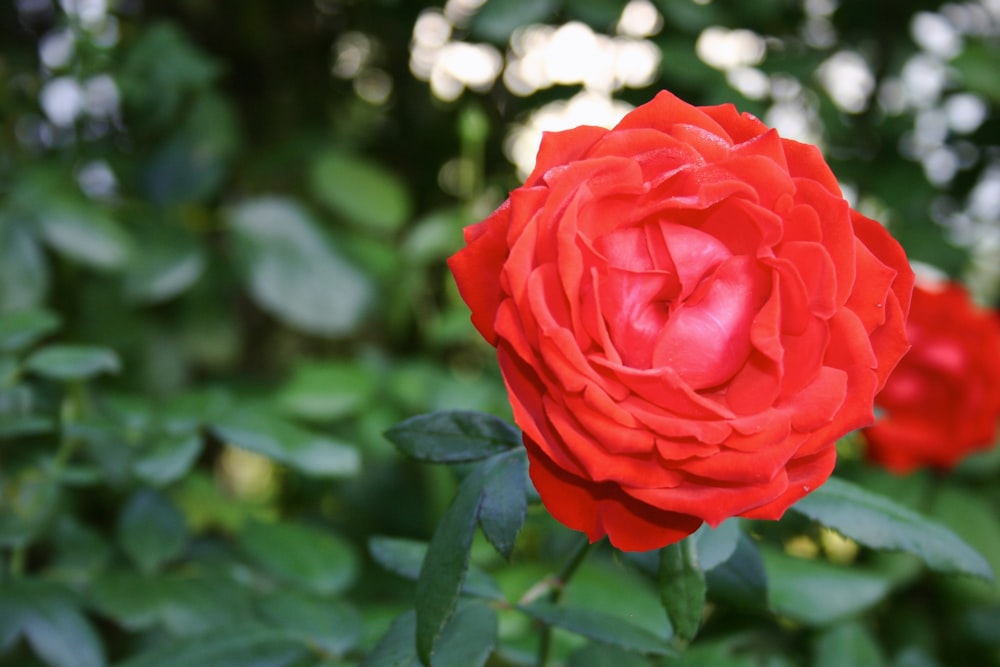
x=222 y=234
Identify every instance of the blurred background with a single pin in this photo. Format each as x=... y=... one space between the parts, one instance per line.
x=223 y=226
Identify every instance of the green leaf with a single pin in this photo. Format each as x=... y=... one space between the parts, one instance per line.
x=316 y=560
x=847 y=643
x=23 y=328
x=601 y=655
x=199 y=602
x=292 y=271
x=361 y=191
x=168 y=264
x=975 y=519
x=398 y=646
x=192 y=161
x=168 y=458
x=975 y=68
x=498 y=19
x=29 y=500
x=468 y=638
x=325 y=391
x=682 y=587
x=85 y=235
x=282 y=441
x=151 y=530
x=740 y=581
x=160 y=72
x=246 y=646
x=73 y=362
x=608 y=586
x=24 y=273
x=819 y=593
x=716 y=545
x=444 y=568
x=453 y=436
x=330 y=625
x=52 y=622
x=133 y=601
x=434 y=237
x=879 y=523
x=406 y=557
x=606 y=628
x=505 y=502
x=732 y=650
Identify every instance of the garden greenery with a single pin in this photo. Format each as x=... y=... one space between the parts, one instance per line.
x=245 y=420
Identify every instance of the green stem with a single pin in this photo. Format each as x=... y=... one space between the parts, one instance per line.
x=558 y=585
x=73 y=407
x=15 y=566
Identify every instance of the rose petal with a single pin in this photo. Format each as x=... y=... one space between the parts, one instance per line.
x=560 y=148
x=806 y=162
x=603 y=509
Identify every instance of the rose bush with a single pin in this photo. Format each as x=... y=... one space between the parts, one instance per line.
x=943 y=400
x=687 y=315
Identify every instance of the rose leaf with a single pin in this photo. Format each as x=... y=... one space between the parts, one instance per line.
x=151 y=530
x=816 y=592
x=466 y=641
x=240 y=646
x=73 y=362
x=405 y=558
x=716 y=545
x=847 y=643
x=453 y=436
x=444 y=568
x=879 y=523
x=311 y=453
x=505 y=502
x=22 y=328
x=599 y=626
x=741 y=580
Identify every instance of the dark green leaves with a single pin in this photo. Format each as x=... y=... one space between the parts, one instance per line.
x=816 y=592
x=466 y=640
x=323 y=390
x=73 y=362
x=848 y=643
x=152 y=531
x=85 y=236
x=493 y=494
x=444 y=568
x=360 y=191
x=504 y=501
x=879 y=523
x=453 y=436
x=250 y=646
x=52 y=623
x=606 y=628
x=287 y=443
x=293 y=272
x=499 y=18
x=715 y=545
x=21 y=329
x=406 y=558
x=301 y=555
x=24 y=276
x=333 y=626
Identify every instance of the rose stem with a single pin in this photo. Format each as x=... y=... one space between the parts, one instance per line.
x=558 y=585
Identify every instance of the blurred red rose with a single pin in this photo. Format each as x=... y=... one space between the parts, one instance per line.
x=943 y=400
x=687 y=315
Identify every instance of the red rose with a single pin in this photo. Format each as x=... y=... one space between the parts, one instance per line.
x=687 y=315
x=943 y=400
